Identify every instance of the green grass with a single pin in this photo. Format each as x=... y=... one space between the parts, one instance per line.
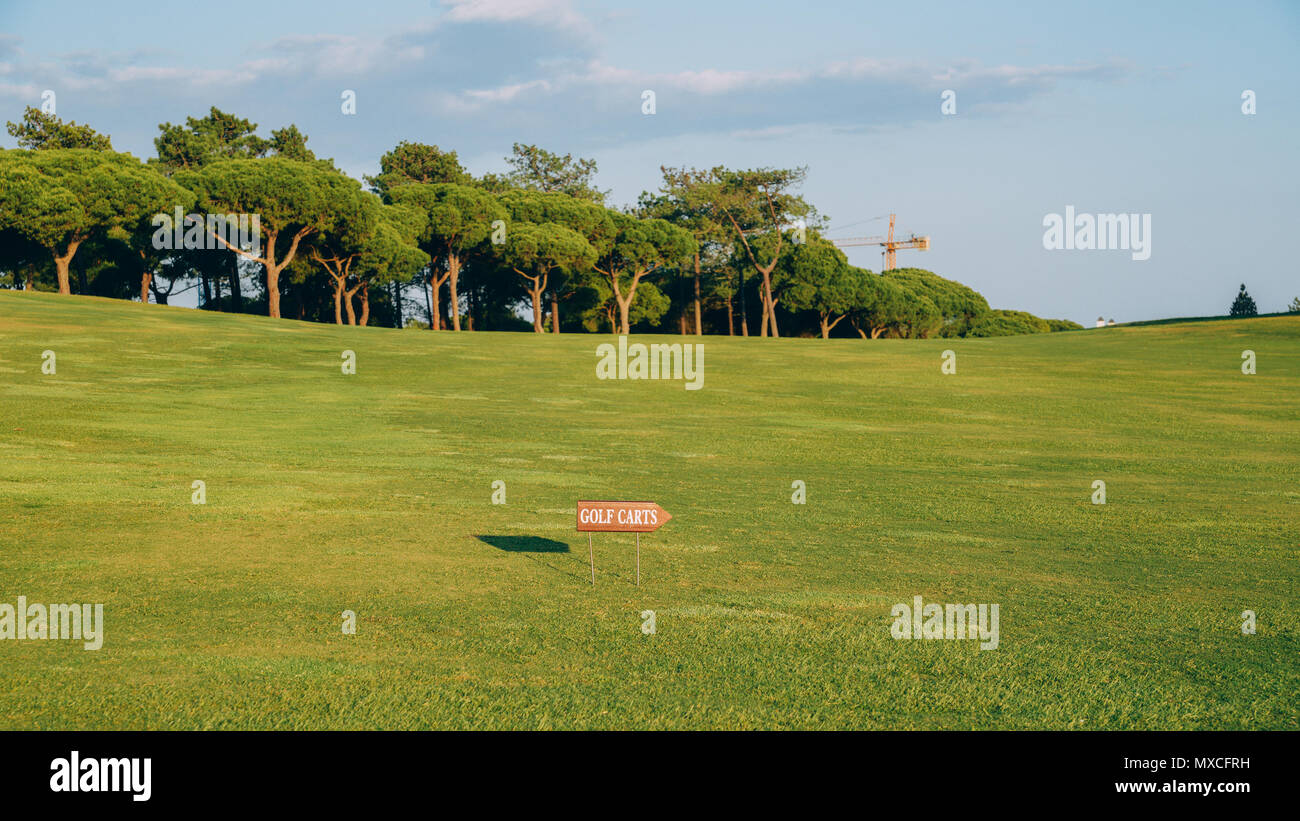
x=1185 y=319
x=328 y=492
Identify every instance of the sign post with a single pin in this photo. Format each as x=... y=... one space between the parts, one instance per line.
x=619 y=517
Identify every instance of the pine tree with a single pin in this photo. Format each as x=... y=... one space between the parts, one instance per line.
x=41 y=130
x=1243 y=305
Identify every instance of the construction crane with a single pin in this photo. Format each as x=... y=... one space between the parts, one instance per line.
x=890 y=244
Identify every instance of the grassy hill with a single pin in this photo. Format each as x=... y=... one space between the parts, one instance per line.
x=372 y=493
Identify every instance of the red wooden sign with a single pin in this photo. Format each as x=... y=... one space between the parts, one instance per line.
x=620 y=517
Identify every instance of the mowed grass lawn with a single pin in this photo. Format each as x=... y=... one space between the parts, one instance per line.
x=372 y=493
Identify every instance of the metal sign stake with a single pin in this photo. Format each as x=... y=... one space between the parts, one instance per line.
x=618 y=517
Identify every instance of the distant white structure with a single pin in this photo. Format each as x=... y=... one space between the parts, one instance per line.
x=1111 y=321
x=1101 y=322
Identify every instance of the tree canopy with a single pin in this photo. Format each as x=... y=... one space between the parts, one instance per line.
x=40 y=130
x=537 y=169
x=460 y=219
x=1008 y=323
x=762 y=202
x=410 y=162
x=957 y=305
x=58 y=198
x=640 y=247
x=292 y=199
x=426 y=235
x=1243 y=305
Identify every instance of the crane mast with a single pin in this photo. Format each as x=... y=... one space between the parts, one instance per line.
x=890 y=244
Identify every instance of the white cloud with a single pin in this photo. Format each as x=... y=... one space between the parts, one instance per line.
x=174 y=74
x=1031 y=75
x=707 y=81
x=556 y=13
x=21 y=91
x=489 y=71
x=715 y=82
x=507 y=93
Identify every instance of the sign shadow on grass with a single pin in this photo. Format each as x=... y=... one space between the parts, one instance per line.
x=528 y=545
x=525 y=544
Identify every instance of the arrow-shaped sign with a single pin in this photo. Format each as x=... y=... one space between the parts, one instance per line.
x=621 y=517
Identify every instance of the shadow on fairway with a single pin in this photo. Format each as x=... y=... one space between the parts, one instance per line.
x=525 y=544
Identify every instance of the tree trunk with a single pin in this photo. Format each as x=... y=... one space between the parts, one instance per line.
x=681 y=307
x=536 y=288
x=431 y=301
x=272 y=267
x=731 y=318
x=145 y=279
x=555 y=313
x=347 y=303
x=236 y=295
x=61 y=265
x=453 y=273
x=471 y=309
x=828 y=326
x=769 y=304
x=537 y=311
x=338 y=274
x=876 y=332
x=744 y=321
x=158 y=296
x=397 y=304
x=625 y=302
x=699 y=322
x=767 y=297
x=624 y=308
x=207 y=294
x=763 y=326
x=365 y=303
x=272 y=290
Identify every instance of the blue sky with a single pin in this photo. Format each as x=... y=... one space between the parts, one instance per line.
x=1103 y=106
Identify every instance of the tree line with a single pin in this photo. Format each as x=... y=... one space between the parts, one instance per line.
x=426 y=244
